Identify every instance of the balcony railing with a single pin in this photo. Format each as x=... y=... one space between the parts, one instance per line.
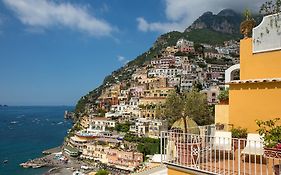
x=214 y=152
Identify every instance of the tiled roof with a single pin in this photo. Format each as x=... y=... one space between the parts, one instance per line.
x=264 y=80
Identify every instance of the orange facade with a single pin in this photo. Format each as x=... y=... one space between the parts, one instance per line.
x=257 y=97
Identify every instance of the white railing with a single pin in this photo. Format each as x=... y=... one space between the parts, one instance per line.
x=215 y=152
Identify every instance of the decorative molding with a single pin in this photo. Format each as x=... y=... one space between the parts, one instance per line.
x=272 y=153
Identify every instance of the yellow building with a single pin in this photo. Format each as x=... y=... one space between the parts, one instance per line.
x=257 y=94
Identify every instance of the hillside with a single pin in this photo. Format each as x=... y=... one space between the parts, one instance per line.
x=208 y=28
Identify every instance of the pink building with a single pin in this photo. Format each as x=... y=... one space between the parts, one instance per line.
x=124 y=158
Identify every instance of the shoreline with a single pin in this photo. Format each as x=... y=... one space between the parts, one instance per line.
x=57 y=162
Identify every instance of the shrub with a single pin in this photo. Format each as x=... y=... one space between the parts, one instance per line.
x=102 y=172
x=270 y=131
x=224 y=95
x=239 y=132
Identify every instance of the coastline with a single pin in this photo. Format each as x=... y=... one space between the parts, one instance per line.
x=59 y=163
x=30 y=130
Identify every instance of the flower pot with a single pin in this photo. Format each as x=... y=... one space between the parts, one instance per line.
x=224 y=101
x=272 y=153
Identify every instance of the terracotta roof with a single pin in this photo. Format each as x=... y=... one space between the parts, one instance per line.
x=264 y=80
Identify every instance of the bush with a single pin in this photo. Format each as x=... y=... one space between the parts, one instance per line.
x=146 y=145
x=239 y=132
x=224 y=95
x=102 y=172
x=122 y=127
x=270 y=131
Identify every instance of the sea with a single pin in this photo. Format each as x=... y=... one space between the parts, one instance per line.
x=27 y=131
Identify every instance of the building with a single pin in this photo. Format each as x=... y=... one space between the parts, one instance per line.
x=156 y=127
x=185 y=46
x=95 y=152
x=140 y=127
x=256 y=96
x=99 y=124
x=164 y=72
x=127 y=160
x=258 y=92
x=212 y=94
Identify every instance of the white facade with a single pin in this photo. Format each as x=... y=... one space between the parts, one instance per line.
x=182 y=42
x=99 y=124
x=167 y=73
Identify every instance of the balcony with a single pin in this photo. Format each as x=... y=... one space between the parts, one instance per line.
x=215 y=152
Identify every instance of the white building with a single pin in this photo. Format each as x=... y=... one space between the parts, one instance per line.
x=99 y=124
x=167 y=73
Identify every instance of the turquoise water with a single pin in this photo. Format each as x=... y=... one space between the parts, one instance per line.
x=25 y=132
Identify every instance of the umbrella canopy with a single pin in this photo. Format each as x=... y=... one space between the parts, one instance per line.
x=192 y=127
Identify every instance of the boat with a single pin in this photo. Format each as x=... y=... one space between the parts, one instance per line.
x=25 y=165
x=36 y=166
x=5 y=161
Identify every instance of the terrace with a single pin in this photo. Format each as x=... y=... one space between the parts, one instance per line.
x=213 y=151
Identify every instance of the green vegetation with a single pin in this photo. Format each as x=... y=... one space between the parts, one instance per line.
x=270 y=131
x=222 y=61
x=191 y=104
x=146 y=145
x=102 y=172
x=101 y=112
x=224 y=95
x=209 y=36
x=239 y=132
x=122 y=127
x=80 y=106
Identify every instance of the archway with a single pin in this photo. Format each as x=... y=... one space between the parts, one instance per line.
x=229 y=73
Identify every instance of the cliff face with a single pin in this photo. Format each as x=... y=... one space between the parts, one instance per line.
x=227 y=21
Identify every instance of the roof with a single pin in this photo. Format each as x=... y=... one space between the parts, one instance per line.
x=110 y=140
x=78 y=139
x=264 y=80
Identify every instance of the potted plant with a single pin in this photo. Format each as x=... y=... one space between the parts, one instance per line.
x=247 y=25
x=239 y=134
x=224 y=96
x=271 y=135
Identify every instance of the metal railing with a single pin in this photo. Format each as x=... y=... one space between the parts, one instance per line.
x=216 y=152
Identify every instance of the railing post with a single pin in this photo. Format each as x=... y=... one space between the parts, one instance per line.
x=239 y=157
x=161 y=137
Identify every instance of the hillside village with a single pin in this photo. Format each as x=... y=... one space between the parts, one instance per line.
x=122 y=127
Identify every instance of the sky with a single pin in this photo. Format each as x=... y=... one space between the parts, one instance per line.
x=52 y=52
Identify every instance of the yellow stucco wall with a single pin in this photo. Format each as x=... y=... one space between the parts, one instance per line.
x=260 y=65
x=176 y=172
x=249 y=102
x=222 y=114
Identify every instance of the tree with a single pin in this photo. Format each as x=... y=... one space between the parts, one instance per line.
x=191 y=104
x=125 y=127
x=102 y=172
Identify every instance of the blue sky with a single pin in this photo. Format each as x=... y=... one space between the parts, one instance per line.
x=52 y=52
